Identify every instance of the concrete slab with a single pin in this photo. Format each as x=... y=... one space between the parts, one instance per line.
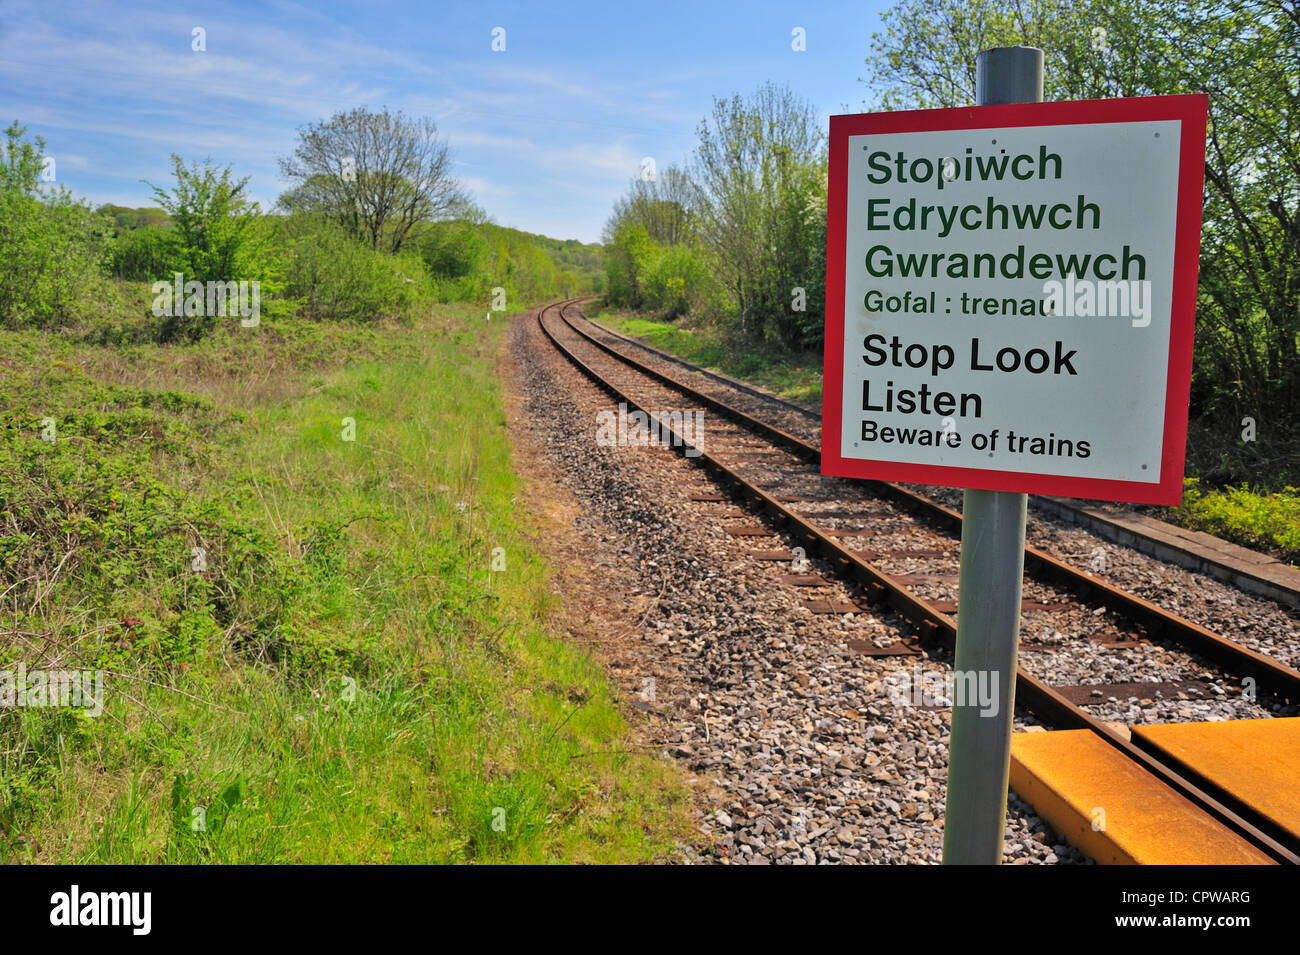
x=1249 y=570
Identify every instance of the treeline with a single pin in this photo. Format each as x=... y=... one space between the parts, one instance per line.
x=374 y=226
x=738 y=232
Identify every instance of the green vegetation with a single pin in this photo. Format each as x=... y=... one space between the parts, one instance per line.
x=1246 y=55
x=71 y=267
x=331 y=276
x=793 y=375
x=336 y=673
x=292 y=546
x=723 y=245
x=49 y=243
x=737 y=238
x=1267 y=521
x=377 y=175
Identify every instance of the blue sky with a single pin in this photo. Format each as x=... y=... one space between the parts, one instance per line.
x=546 y=134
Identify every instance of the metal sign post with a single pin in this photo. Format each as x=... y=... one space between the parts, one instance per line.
x=992 y=570
x=1010 y=305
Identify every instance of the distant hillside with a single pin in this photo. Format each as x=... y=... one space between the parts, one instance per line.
x=586 y=262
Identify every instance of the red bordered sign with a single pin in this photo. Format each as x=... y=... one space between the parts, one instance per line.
x=1068 y=398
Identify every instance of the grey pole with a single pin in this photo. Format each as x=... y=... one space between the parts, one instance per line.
x=988 y=610
x=1009 y=74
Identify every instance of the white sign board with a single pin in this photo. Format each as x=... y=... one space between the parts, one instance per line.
x=1011 y=294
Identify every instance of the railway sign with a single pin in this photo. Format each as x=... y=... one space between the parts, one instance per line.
x=1010 y=296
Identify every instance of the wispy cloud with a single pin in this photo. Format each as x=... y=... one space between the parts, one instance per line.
x=547 y=134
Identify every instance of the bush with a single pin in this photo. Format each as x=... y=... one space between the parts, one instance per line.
x=335 y=277
x=216 y=234
x=627 y=261
x=50 y=245
x=466 y=288
x=452 y=250
x=1253 y=519
x=89 y=511
x=457 y=257
x=140 y=255
x=676 y=282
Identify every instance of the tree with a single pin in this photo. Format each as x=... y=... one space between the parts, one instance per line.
x=1246 y=55
x=217 y=235
x=126 y=219
x=627 y=264
x=758 y=170
x=213 y=222
x=376 y=174
x=925 y=56
x=661 y=205
x=49 y=243
x=675 y=282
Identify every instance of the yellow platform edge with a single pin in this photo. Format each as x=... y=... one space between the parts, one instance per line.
x=1258 y=761
x=1114 y=811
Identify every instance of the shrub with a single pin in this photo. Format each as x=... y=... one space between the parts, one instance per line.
x=140 y=255
x=215 y=235
x=676 y=282
x=50 y=244
x=335 y=277
x=453 y=250
x=1254 y=519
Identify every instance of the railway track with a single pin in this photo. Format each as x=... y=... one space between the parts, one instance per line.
x=900 y=549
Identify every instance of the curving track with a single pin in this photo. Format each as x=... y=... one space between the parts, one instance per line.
x=901 y=549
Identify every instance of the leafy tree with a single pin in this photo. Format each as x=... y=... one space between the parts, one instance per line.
x=453 y=250
x=662 y=205
x=797 y=226
x=676 y=281
x=217 y=235
x=214 y=234
x=627 y=262
x=1246 y=55
x=757 y=169
x=925 y=55
x=125 y=218
x=50 y=244
x=376 y=174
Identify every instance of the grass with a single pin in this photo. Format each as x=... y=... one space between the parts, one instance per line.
x=793 y=375
x=337 y=673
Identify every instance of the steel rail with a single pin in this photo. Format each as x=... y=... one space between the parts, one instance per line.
x=1037 y=696
x=1269 y=674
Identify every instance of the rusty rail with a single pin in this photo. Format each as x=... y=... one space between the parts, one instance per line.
x=1037 y=696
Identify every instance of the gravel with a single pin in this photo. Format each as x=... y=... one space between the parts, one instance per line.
x=1256 y=623
x=798 y=753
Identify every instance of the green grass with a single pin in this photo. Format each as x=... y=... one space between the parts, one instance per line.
x=1250 y=517
x=793 y=375
x=348 y=679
